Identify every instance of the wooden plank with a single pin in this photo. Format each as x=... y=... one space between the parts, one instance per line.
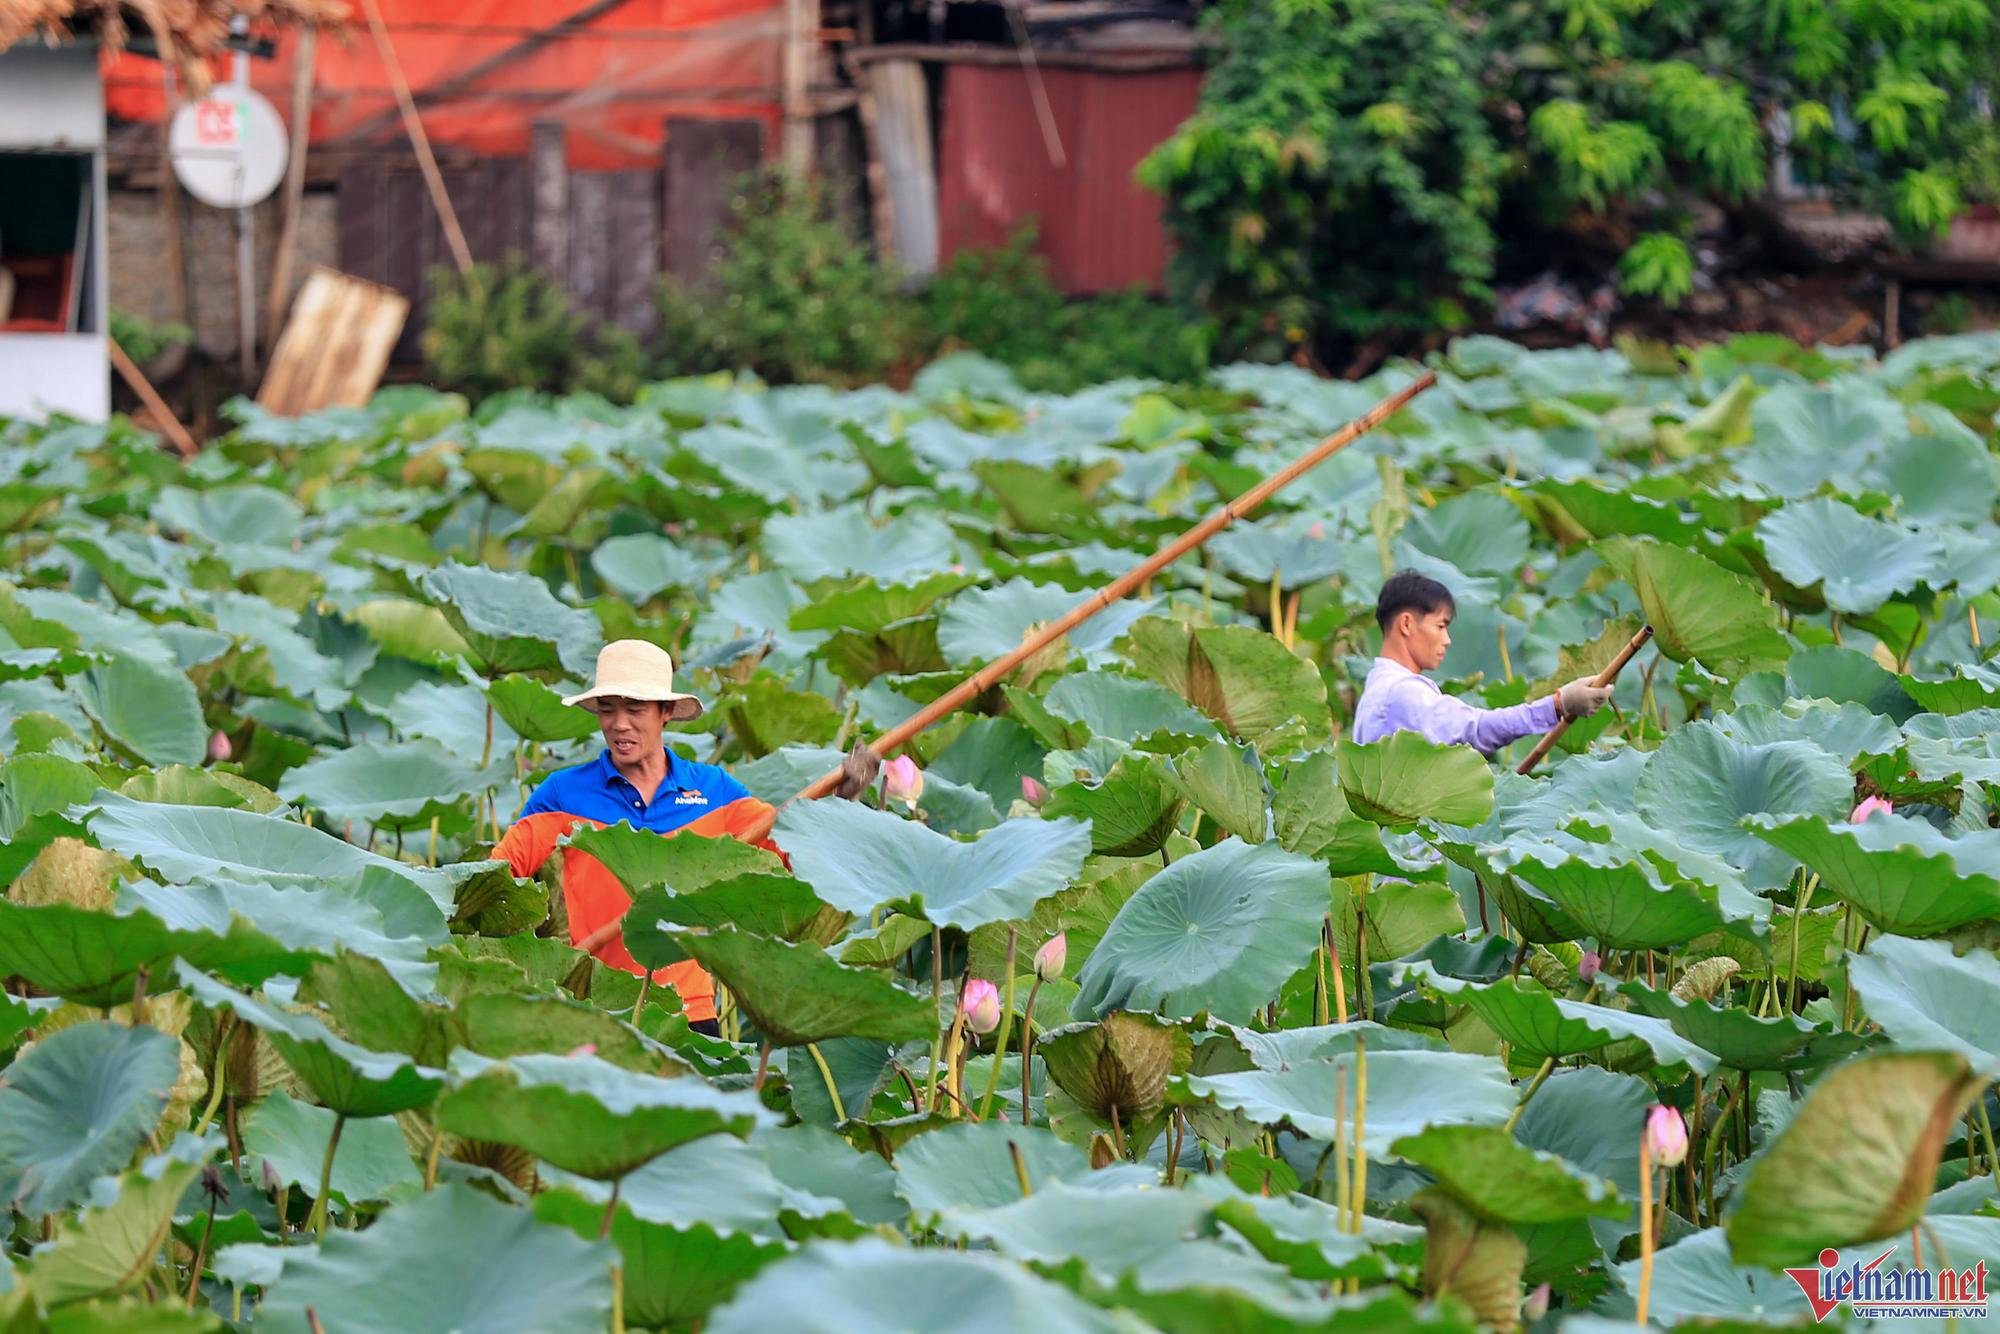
x=335 y=347
x=549 y=189
x=704 y=161
x=590 y=243
x=635 y=249
x=143 y=387
x=357 y=221
x=909 y=167
x=407 y=248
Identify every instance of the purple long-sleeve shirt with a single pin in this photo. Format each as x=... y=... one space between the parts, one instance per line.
x=1396 y=699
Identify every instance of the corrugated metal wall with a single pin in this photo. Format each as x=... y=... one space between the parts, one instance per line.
x=1098 y=228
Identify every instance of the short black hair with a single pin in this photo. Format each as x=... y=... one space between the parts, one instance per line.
x=1406 y=590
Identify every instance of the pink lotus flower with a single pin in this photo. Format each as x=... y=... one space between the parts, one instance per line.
x=982 y=1006
x=1536 y=1306
x=1868 y=807
x=219 y=748
x=1666 y=1136
x=1317 y=531
x=1587 y=966
x=1051 y=957
x=587 y=1049
x=1033 y=790
x=903 y=781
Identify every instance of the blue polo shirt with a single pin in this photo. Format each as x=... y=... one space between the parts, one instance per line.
x=597 y=791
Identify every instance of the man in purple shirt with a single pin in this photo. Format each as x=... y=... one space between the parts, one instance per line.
x=1415 y=614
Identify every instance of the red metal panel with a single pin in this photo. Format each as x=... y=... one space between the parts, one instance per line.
x=1098 y=229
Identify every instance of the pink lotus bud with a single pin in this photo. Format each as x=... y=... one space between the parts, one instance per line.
x=1868 y=807
x=1317 y=531
x=1536 y=1306
x=1587 y=966
x=903 y=780
x=1051 y=957
x=982 y=1005
x=219 y=748
x=1033 y=790
x=587 y=1049
x=1666 y=1136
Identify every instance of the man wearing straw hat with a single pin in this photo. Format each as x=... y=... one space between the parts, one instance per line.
x=638 y=780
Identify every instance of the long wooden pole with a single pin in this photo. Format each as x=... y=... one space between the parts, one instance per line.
x=994 y=672
x=454 y=235
x=1603 y=678
x=170 y=425
x=305 y=58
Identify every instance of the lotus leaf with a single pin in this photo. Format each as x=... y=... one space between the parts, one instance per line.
x=77 y=1105
x=1812 y=544
x=1699 y=611
x=1408 y=1092
x=1702 y=787
x=671 y=1275
x=1404 y=778
x=1928 y=998
x=1902 y=875
x=797 y=994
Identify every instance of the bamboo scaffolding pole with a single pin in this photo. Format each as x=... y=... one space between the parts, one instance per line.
x=413 y=124
x=997 y=670
x=1603 y=678
x=170 y=425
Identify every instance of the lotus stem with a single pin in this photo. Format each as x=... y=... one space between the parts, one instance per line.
x=1321 y=1002
x=317 y=1220
x=1798 y=927
x=1118 y=1132
x=1986 y=1133
x=1645 y=1228
x=1278 y=609
x=937 y=999
x=1360 y=1128
x=832 y=1089
x=1333 y=955
x=1020 y=1168
x=1972 y=618
x=432 y=858
x=639 y=1005
x=1534 y=1087
x=139 y=1012
x=1028 y=1045
x=486 y=754
x=431 y=1159
x=200 y=1257
x=763 y=1065
x=219 y=1079
x=1343 y=1188
x=1852 y=945
x=1506 y=662
x=617 y=1299
x=1006 y=1027
x=1363 y=986
x=610 y=1210
x=283 y=1204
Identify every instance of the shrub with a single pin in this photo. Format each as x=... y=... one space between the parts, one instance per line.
x=510 y=326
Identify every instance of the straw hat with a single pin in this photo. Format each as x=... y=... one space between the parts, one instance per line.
x=635 y=669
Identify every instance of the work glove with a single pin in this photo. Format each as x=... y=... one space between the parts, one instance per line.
x=1581 y=698
x=858 y=771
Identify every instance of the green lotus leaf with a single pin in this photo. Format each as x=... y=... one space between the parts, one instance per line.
x=178 y=785
x=110 y=1248
x=1404 y=778
x=991 y=754
x=1477 y=531
x=1622 y=903
x=970 y=1165
x=230 y=514
x=1963 y=688
x=517 y=478
x=1583 y=509
x=1310 y=815
x=32 y=785
x=1227 y=782
x=859 y=860
x=983 y=623
x=451 y=1259
x=1296 y=550
x=1591 y=1119
x=797 y=994
x=835 y=543
x=1539 y=1026
x=95 y=958
x=1132 y=810
x=1814 y=543
x=512 y=621
x=347 y=1078
x=1125 y=708
x=1242 y=678
x=673 y=1276
x=1845 y=731
x=375 y=913
x=585 y=1115
x=23 y=505
x=148 y=709
x=537 y=713
x=1408 y=1091
x=764 y=905
x=867 y=606
x=76 y=1106
x=1739 y=1039
x=684 y=863
x=371 y=1161
x=502 y=1025
x=1469 y=1258
x=641 y=566
x=1297 y=1231
x=1929 y=999
x=1117 y=1069
x=1217 y=931
x=1809 y=435
x=1847 y=676
x=1857 y=1162
x=186 y=843
x=1902 y=875
x=1504 y=1181
x=1695 y=1281
x=1699 y=611
x=1151 y=1234
x=1701 y=787
x=825 y=1289
x=414 y=631
x=397 y=785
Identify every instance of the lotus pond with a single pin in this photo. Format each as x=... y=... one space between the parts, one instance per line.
x=1344 y=1037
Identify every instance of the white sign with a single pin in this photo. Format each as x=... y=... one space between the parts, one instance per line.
x=229 y=148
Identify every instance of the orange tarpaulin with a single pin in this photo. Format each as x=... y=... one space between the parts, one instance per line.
x=594 y=898
x=483 y=71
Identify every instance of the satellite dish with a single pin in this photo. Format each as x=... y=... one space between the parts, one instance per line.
x=229 y=148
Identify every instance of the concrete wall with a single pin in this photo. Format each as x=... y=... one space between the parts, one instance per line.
x=141 y=285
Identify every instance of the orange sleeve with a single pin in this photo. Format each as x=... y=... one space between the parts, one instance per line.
x=735 y=820
x=528 y=843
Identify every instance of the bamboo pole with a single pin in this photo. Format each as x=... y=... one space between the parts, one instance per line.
x=150 y=396
x=454 y=235
x=1603 y=678
x=304 y=66
x=988 y=676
